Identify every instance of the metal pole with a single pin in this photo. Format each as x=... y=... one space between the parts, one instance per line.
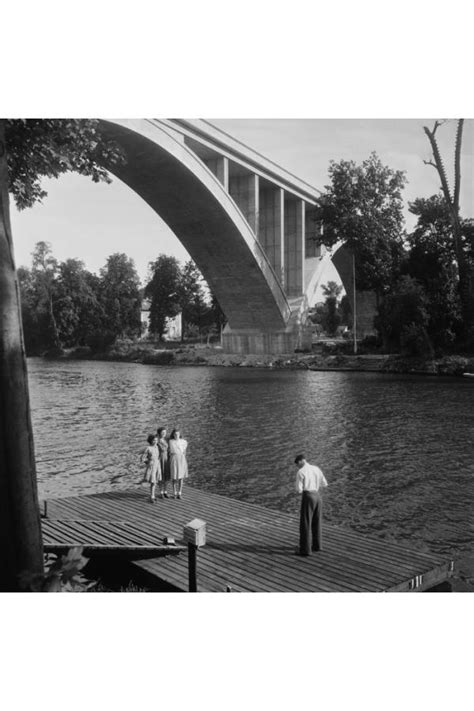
x=192 y=577
x=354 y=325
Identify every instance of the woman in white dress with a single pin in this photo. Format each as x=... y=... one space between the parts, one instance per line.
x=151 y=458
x=178 y=463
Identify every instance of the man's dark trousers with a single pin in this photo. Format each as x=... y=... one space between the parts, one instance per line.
x=311 y=522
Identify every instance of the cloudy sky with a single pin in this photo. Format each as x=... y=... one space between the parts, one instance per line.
x=88 y=221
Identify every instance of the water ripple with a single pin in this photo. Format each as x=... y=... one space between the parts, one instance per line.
x=397 y=450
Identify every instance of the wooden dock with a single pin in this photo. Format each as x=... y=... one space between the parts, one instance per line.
x=249 y=548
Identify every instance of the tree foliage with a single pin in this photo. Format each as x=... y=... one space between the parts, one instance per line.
x=79 y=312
x=404 y=317
x=431 y=260
x=38 y=148
x=362 y=208
x=120 y=295
x=196 y=309
x=164 y=290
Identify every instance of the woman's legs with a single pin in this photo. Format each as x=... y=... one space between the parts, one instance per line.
x=152 y=491
x=180 y=487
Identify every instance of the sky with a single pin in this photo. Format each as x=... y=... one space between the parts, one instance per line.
x=90 y=221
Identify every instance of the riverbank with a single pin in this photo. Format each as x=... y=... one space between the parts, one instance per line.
x=326 y=357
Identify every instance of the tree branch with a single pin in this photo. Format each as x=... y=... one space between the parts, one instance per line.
x=457 y=166
x=438 y=162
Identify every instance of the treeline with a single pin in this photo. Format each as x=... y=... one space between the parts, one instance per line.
x=424 y=279
x=65 y=306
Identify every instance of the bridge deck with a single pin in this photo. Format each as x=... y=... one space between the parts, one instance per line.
x=249 y=547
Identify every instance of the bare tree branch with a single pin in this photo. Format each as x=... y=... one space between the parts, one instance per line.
x=457 y=166
x=438 y=162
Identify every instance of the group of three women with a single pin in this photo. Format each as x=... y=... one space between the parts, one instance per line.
x=165 y=461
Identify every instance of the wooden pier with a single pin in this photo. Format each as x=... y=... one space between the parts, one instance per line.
x=249 y=548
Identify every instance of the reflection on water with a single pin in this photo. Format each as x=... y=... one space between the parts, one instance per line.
x=397 y=450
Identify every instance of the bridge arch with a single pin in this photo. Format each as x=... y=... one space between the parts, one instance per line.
x=191 y=200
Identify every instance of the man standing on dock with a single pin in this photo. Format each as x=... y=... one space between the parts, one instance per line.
x=309 y=481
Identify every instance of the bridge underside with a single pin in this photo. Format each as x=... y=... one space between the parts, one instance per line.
x=215 y=234
x=252 y=233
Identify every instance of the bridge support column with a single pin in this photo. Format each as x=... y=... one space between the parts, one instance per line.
x=272 y=229
x=312 y=231
x=244 y=189
x=294 y=247
x=220 y=167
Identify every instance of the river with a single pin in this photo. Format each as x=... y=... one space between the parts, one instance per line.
x=397 y=450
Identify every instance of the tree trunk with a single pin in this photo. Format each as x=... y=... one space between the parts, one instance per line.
x=54 y=325
x=21 y=550
x=465 y=288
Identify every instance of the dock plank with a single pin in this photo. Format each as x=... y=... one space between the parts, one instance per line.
x=249 y=547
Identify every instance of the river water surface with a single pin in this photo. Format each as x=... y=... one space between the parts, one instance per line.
x=397 y=450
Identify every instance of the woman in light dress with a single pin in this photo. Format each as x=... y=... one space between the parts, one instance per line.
x=178 y=463
x=164 y=461
x=151 y=458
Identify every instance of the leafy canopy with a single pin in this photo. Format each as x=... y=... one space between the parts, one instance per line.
x=38 y=148
x=363 y=208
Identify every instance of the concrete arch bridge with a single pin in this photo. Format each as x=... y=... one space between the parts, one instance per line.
x=248 y=224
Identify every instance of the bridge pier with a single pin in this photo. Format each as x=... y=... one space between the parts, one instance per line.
x=296 y=335
x=265 y=343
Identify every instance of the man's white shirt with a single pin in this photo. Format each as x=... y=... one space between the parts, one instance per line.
x=310 y=478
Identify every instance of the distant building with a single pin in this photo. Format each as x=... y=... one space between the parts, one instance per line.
x=173 y=326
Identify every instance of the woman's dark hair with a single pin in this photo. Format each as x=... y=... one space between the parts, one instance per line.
x=160 y=430
x=172 y=435
x=150 y=438
x=299 y=458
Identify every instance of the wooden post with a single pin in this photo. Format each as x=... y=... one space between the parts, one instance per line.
x=354 y=325
x=192 y=577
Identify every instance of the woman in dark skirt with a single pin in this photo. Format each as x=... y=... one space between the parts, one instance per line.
x=164 y=461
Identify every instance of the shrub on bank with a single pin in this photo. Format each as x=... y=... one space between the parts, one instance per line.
x=454 y=365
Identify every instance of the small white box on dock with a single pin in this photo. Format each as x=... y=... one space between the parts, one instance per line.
x=195 y=532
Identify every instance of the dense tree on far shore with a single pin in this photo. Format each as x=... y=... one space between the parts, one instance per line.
x=404 y=317
x=79 y=313
x=194 y=306
x=119 y=294
x=164 y=292
x=431 y=260
x=362 y=207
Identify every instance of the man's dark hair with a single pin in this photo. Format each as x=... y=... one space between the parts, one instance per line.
x=299 y=458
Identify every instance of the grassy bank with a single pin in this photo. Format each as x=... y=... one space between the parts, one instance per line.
x=325 y=357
